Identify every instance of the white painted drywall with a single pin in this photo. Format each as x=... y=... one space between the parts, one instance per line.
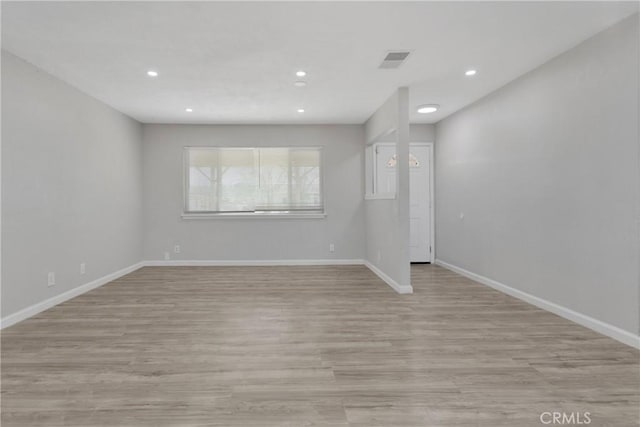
x=418 y=132
x=422 y=133
x=71 y=186
x=546 y=171
x=254 y=239
x=387 y=220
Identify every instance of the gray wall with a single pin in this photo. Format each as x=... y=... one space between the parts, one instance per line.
x=418 y=132
x=387 y=220
x=546 y=172
x=71 y=186
x=253 y=239
x=422 y=133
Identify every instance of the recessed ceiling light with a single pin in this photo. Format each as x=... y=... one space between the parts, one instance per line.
x=301 y=73
x=470 y=73
x=152 y=73
x=426 y=109
x=300 y=110
x=189 y=110
x=300 y=83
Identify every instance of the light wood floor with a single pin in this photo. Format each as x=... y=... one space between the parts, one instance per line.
x=307 y=346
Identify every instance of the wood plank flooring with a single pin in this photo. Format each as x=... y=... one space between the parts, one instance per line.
x=307 y=346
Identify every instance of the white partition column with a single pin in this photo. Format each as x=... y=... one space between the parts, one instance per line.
x=387 y=215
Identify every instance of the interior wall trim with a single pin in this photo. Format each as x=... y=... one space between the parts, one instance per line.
x=599 y=326
x=41 y=306
x=388 y=280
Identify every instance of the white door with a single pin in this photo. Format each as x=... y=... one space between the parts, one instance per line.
x=419 y=193
x=385 y=168
x=420 y=203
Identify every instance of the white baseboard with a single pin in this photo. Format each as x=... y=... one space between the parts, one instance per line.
x=250 y=263
x=34 y=309
x=388 y=280
x=280 y=262
x=579 y=318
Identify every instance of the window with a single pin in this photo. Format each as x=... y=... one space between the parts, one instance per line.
x=380 y=171
x=253 y=180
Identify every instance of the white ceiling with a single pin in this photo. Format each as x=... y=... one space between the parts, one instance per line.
x=234 y=62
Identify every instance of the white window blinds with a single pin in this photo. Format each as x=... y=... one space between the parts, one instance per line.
x=286 y=180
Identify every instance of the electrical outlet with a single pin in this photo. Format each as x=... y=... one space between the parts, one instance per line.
x=176 y=249
x=167 y=256
x=83 y=268
x=51 y=279
x=332 y=247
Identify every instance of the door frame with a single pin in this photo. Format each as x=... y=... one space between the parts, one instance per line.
x=432 y=198
x=432 y=195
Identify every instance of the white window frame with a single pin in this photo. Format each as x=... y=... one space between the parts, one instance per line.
x=371 y=171
x=186 y=214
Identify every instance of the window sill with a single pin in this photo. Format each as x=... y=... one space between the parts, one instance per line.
x=251 y=215
x=380 y=196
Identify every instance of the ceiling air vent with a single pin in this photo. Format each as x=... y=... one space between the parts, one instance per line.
x=394 y=59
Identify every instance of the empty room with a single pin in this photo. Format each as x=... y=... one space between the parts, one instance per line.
x=313 y=213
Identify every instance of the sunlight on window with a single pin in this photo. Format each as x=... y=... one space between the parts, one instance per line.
x=413 y=161
x=254 y=180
